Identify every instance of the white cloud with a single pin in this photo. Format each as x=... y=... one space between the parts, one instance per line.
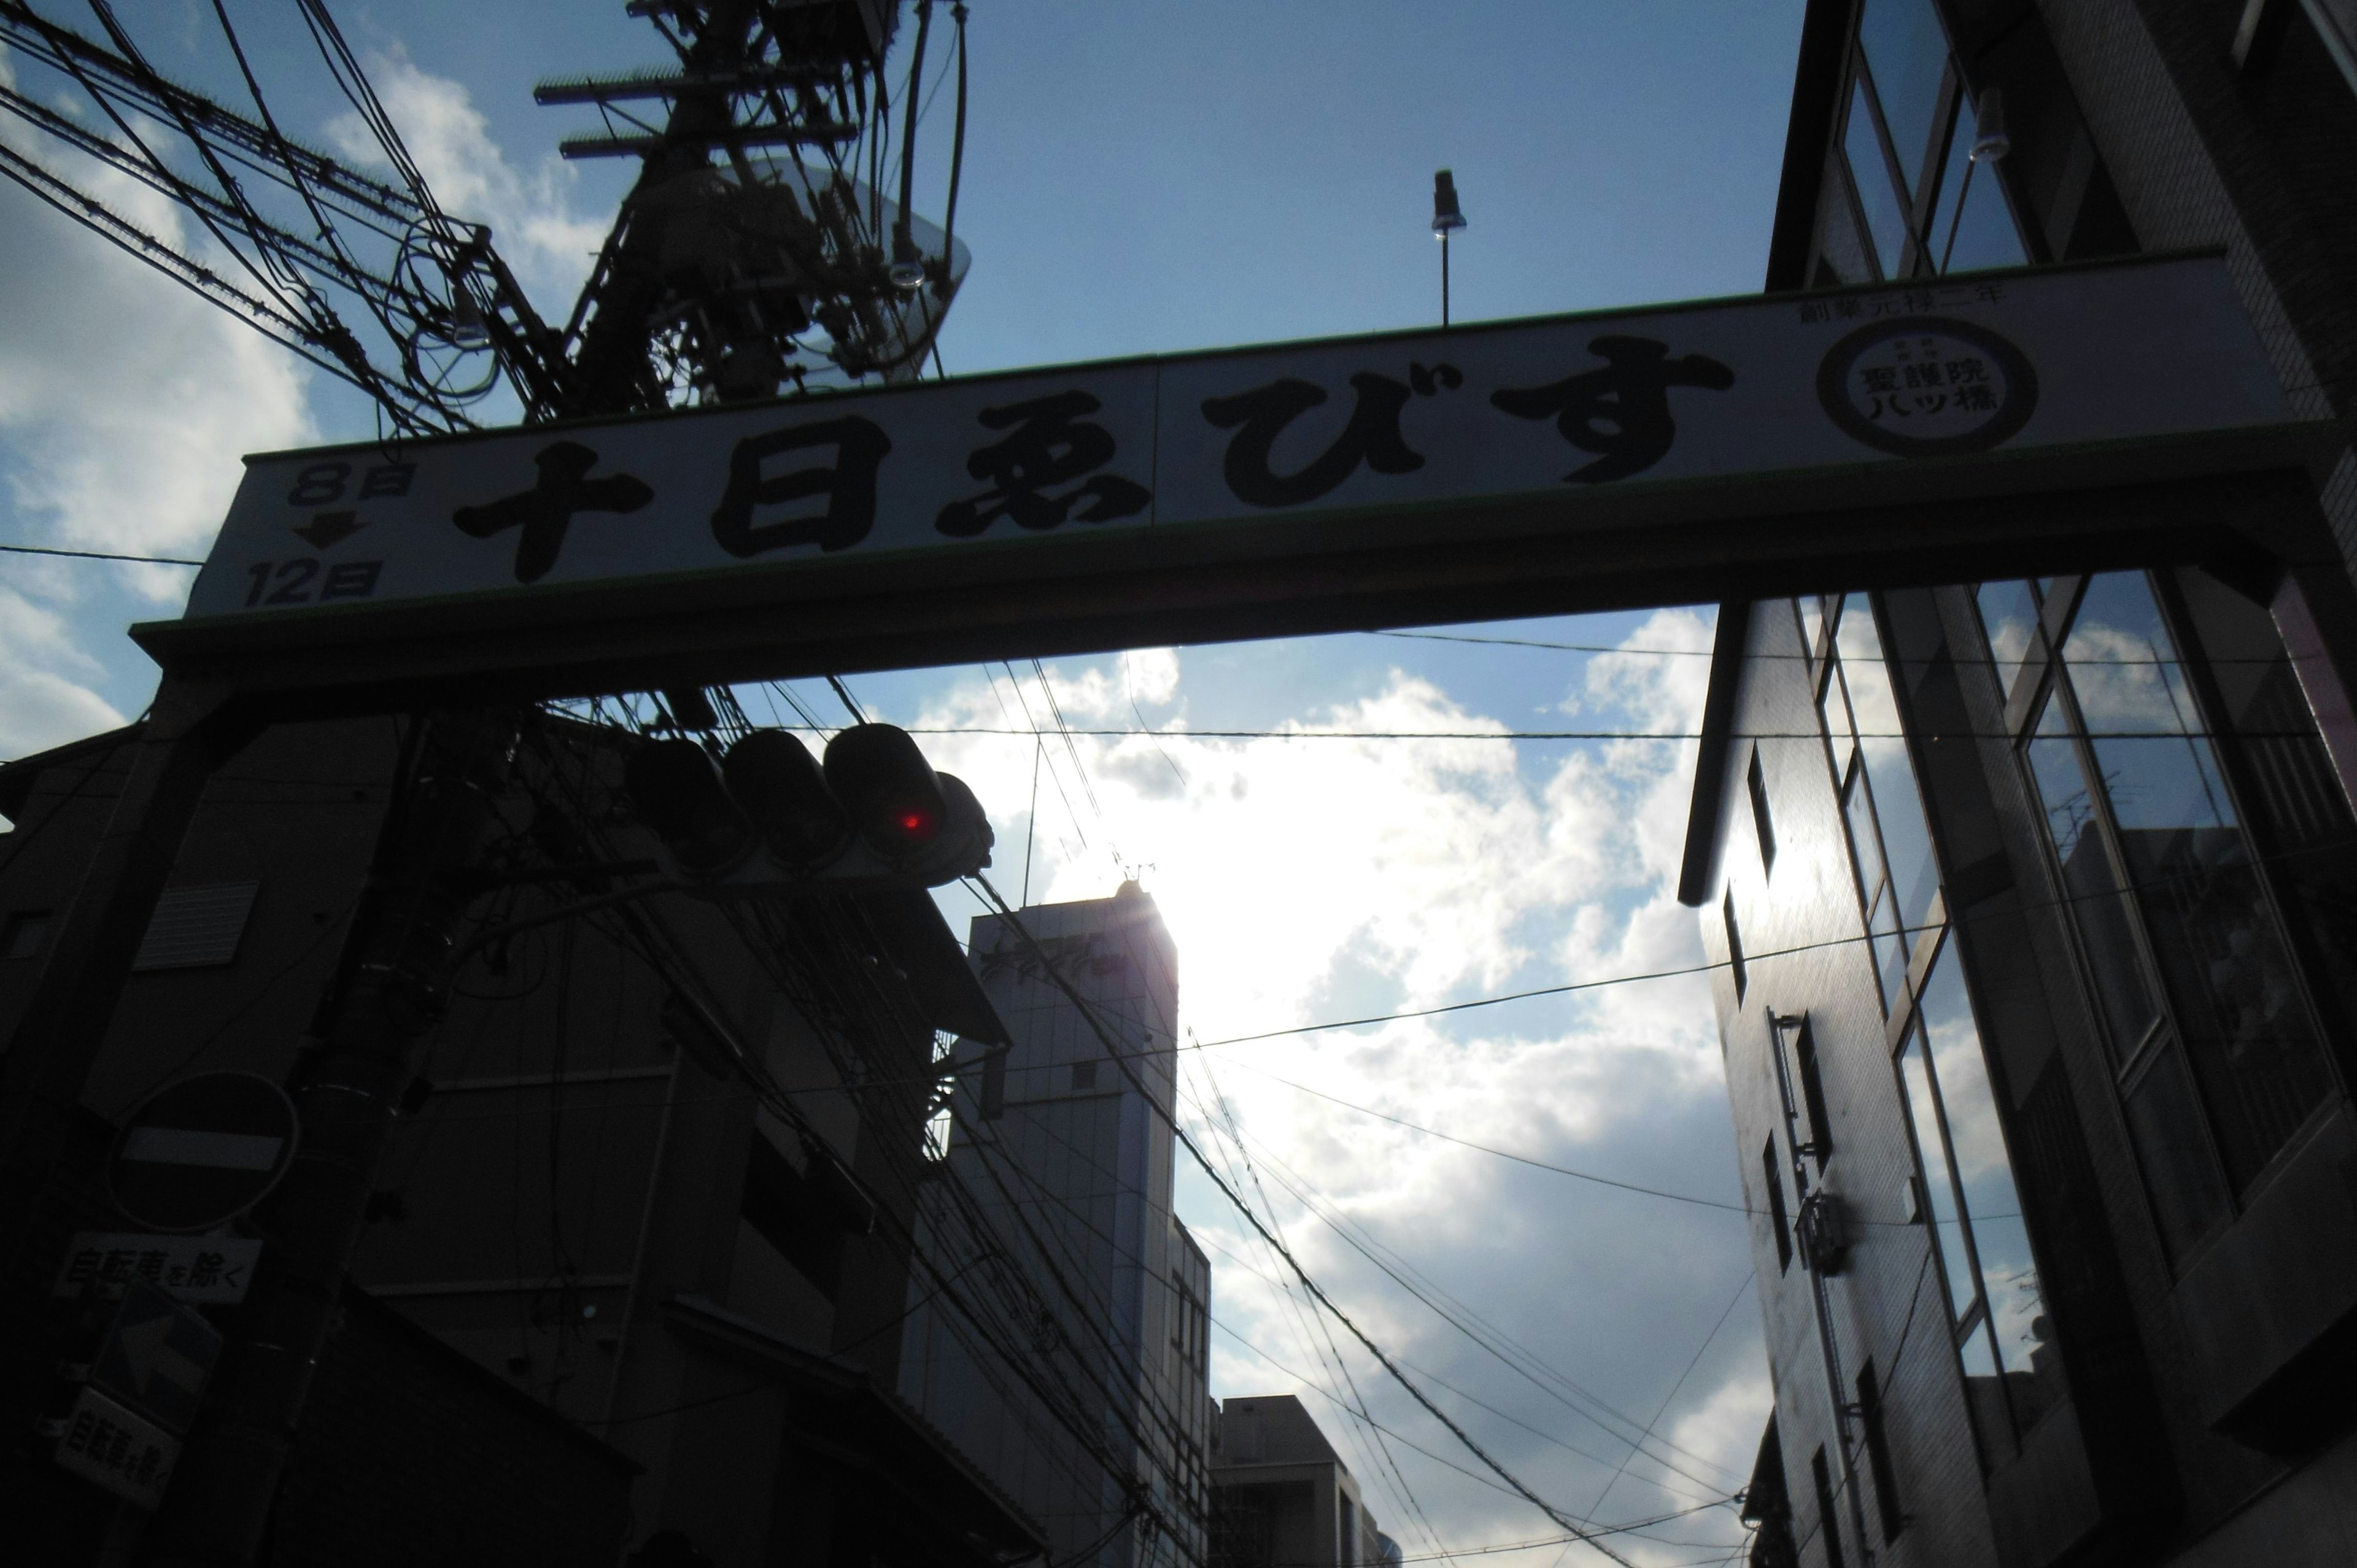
x=125 y=401
x=530 y=210
x=125 y=404
x=40 y=706
x=1308 y=879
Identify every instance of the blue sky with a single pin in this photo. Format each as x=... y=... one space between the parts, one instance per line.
x=1161 y=177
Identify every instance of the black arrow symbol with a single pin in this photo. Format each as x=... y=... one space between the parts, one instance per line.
x=328 y=527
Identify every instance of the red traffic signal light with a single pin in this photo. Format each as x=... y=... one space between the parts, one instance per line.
x=894 y=795
x=924 y=823
x=874 y=789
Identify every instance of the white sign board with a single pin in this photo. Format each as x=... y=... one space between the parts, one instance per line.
x=1565 y=407
x=126 y=1453
x=194 y=1269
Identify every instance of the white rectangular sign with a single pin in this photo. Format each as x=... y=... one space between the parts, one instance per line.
x=1567 y=407
x=126 y=1453
x=193 y=1269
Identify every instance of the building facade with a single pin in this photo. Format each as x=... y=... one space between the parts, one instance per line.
x=1281 y=1496
x=2035 y=891
x=655 y=1180
x=1062 y=1147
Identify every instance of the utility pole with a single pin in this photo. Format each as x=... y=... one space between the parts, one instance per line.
x=387 y=993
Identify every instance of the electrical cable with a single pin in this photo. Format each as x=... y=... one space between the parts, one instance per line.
x=100 y=555
x=1463 y=1319
x=1235 y=1198
x=1077 y=1421
x=1501 y=1154
x=1590 y=1528
x=1389 y=1471
x=1692 y=1363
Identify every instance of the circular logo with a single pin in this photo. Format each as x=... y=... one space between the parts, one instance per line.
x=1926 y=386
x=201 y=1150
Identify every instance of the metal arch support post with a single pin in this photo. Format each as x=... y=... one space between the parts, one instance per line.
x=192 y=728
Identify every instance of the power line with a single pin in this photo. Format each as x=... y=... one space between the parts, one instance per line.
x=1565 y=734
x=100 y=555
x=1695 y=1360
x=1632 y=1527
x=1501 y=1154
x=1088 y=1014
x=1426 y=1373
x=1463 y=1319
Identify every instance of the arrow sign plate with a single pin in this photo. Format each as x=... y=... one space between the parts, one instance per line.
x=157 y=1356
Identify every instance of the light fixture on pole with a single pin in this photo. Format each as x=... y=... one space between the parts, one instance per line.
x=1990 y=144
x=1447 y=217
x=1989 y=141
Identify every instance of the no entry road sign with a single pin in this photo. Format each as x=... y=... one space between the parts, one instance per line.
x=202 y=1150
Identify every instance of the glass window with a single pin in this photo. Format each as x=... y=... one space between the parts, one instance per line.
x=1882 y=923
x=1984 y=1171
x=2009 y=616
x=1907 y=51
x=1947 y=1215
x=2240 y=1008
x=2188 y=1199
x=1886 y=221
x=1972 y=227
x=1981 y=1240
x=1906 y=841
x=2091 y=885
x=1813 y=621
x=2292 y=794
x=1985 y=1395
x=1763 y=821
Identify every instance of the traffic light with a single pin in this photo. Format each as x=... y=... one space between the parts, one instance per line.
x=926 y=823
x=779 y=784
x=680 y=795
x=874 y=812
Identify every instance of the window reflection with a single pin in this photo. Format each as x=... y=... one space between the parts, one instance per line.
x=2017 y=1306
x=2243 y=1021
x=2092 y=886
x=1871 y=174
x=1891 y=848
x=1906 y=841
x=1972 y=227
x=2009 y=612
x=1907 y=54
x=2212 y=1035
x=1946 y=1215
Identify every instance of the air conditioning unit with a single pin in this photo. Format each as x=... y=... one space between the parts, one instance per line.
x=1823 y=1232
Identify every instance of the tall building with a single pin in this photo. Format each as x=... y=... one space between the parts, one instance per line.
x=2037 y=893
x=1058 y=1209
x=1280 y=1495
x=637 y=1250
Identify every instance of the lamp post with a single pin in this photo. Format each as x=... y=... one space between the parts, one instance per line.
x=1447 y=217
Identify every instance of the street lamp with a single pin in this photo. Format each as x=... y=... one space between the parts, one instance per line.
x=1446 y=219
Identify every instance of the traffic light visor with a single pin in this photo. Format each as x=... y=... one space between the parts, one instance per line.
x=678 y=792
x=890 y=790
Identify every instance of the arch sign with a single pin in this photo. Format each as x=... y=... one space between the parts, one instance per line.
x=1309 y=474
